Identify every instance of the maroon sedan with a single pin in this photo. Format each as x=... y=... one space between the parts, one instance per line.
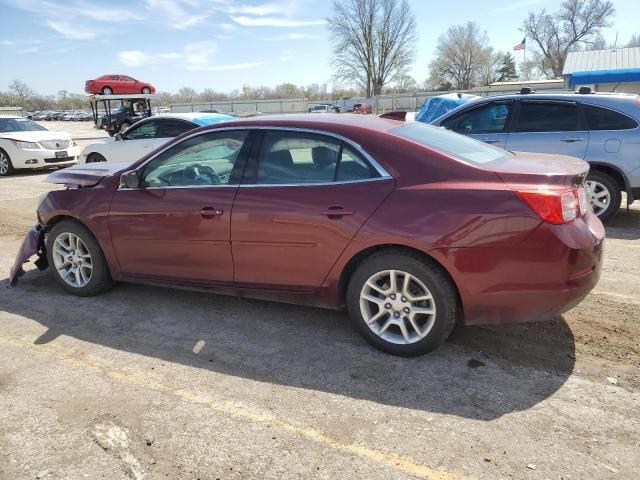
x=117 y=84
x=410 y=227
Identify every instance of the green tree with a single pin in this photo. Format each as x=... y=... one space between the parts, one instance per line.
x=507 y=71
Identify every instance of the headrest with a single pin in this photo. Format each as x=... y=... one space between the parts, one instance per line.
x=324 y=156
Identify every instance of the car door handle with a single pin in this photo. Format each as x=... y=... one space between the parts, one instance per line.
x=337 y=211
x=490 y=140
x=572 y=140
x=210 y=212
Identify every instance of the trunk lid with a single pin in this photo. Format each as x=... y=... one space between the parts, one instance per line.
x=87 y=175
x=524 y=168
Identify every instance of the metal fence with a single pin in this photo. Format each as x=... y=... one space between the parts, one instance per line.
x=409 y=102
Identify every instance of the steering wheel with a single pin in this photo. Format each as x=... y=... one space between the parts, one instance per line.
x=201 y=175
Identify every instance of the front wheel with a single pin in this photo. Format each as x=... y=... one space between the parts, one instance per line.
x=76 y=260
x=6 y=167
x=402 y=304
x=95 y=158
x=605 y=195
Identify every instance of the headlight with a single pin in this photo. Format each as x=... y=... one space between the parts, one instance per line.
x=27 y=145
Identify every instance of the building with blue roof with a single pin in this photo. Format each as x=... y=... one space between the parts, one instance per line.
x=609 y=70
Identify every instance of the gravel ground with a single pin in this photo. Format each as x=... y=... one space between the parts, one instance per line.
x=155 y=383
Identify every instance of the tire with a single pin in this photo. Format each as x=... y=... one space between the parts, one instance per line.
x=107 y=91
x=89 y=282
x=124 y=126
x=604 y=187
x=146 y=90
x=95 y=158
x=6 y=167
x=426 y=280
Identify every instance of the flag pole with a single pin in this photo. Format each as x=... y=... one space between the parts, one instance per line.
x=524 y=51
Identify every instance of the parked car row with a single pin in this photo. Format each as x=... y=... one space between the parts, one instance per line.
x=74 y=115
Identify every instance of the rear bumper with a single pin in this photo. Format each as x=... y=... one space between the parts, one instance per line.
x=544 y=276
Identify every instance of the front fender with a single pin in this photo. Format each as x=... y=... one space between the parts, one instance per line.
x=33 y=244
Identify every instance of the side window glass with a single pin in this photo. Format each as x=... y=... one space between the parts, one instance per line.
x=172 y=129
x=599 y=118
x=353 y=167
x=547 y=117
x=143 y=131
x=292 y=157
x=198 y=161
x=491 y=118
x=114 y=77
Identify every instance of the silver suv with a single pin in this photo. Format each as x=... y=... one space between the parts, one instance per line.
x=600 y=128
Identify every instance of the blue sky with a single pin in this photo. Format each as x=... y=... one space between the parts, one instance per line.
x=220 y=44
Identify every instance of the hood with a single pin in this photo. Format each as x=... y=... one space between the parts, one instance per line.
x=36 y=136
x=87 y=175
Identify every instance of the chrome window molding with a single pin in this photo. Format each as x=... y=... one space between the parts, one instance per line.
x=379 y=168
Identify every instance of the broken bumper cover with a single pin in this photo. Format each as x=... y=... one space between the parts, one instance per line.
x=33 y=244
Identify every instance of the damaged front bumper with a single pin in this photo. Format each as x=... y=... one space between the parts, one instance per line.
x=33 y=244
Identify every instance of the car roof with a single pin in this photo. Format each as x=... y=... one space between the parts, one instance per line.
x=330 y=121
x=199 y=118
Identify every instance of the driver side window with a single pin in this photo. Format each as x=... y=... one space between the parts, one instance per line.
x=204 y=160
x=143 y=131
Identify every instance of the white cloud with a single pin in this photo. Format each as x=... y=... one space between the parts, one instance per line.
x=194 y=57
x=274 y=22
x=259 y=10
x=519 y=5
x=28 y=50
x=71 y=31
x=294 y=36
x=7 y=43
x=177 y=13
x=227 y=27
x=132 y=58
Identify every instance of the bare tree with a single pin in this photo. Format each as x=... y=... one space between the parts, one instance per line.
x=374 y=41
x=635 y=41
x=21 y=90
x=460 y=56
x=576 y=25
x=405 y=83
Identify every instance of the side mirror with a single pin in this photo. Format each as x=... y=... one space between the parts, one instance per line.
x=129 y=179
x=118 y=137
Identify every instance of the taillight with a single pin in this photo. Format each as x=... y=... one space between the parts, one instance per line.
x=556 y=206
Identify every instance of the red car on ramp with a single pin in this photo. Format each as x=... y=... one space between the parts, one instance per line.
x=408 y=226
x=117 y=84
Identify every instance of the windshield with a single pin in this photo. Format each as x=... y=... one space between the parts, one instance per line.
x=19 y=125
x=458 y=146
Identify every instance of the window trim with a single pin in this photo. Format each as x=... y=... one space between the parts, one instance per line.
x=508 y=125
x=257 y=142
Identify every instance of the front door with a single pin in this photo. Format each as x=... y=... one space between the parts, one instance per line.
x=546 y=126
x=488 y=122
x=307 y=199
x=176 y=225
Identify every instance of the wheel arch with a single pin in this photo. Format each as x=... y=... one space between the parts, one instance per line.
x=357 y=259
x=615 y=173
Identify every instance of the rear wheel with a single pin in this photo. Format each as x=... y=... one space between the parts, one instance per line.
x=95 y=158
x=605 y=195
x=107 y=91
x=76 y=260
x=401 y=304
x=146 y=90
x=6 y=167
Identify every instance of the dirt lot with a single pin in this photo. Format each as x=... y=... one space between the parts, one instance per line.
x=154 y=383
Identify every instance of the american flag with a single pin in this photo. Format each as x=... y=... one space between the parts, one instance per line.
x=521 y=45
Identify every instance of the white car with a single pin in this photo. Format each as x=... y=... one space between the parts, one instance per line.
x=25 y=144
x=147 y=135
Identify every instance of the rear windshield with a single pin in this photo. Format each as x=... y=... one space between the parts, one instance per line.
x=19 y=125
x=454 y=144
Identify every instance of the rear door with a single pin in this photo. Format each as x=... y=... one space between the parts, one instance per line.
x=549 y=126
x=304 y=197
x=488 y=122
x=170 y=128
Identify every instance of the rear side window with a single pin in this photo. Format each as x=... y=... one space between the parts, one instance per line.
x=599 y=118
x=173 y=128
x=458 y=146
x=548 y=117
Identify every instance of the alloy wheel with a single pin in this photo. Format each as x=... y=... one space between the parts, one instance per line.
x=397 y=307
x=599 y=196
x=72 y=260
x=4 y=164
